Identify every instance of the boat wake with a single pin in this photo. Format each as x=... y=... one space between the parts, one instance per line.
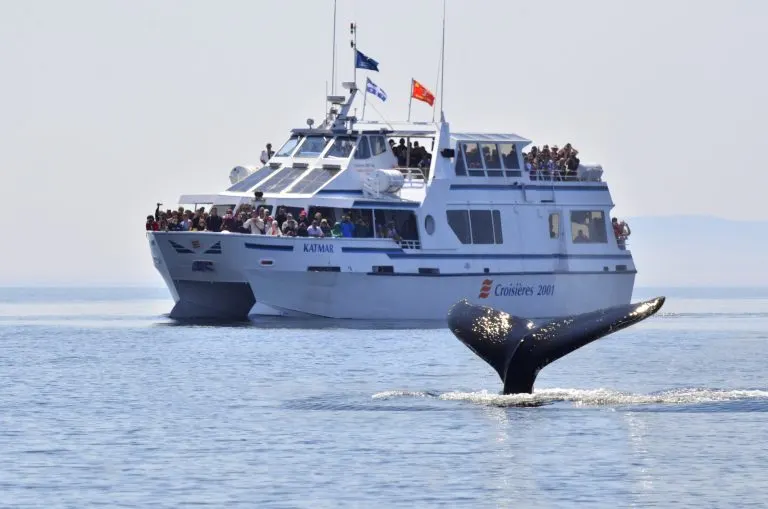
x=592 y=397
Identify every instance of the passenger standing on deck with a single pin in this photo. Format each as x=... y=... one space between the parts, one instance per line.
x=267 y=154
x=214 y=221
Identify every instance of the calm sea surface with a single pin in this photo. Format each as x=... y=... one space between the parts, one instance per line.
x=106 y=402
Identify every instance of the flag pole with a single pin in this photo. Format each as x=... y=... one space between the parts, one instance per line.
x=410 y=100
x=333 y=64
x=442 y=68
x=353 y=31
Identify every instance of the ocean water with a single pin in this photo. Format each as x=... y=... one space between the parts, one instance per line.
x=108 y=403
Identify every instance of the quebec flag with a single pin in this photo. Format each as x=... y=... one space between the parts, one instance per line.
x=373 y=88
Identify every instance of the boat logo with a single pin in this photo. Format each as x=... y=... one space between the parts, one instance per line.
x=196 y=244
x=485 y=289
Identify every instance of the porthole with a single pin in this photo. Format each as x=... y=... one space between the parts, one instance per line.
x=429 y=224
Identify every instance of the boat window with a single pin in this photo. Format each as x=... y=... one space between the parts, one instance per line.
x=314 y=180
x=251 y=180
x=461 y=169
x=458 y=220
x=363 y=151
x=554 y=225
x=491 y=156
x=509 y=156
x=378 y=145
x=287 y=148
x=281 y=180
x=312 y=146
x=473 y=159
x=482 y=227
x=588 y=226
x=498 y=237
x=342 y=147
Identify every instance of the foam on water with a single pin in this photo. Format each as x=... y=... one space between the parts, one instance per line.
x=588 y=397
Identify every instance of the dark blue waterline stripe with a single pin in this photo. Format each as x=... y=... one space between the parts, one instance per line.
x=184 y=251
x=268 y=247
x=509 y=256
x=385 y=204
x=380 y=250
x=494 y=274
x=508 y=187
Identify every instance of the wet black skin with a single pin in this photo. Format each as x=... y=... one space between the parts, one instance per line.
x=518 y=350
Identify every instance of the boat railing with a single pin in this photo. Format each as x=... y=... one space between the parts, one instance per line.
x=591 y=173
x=414 y=177
x=409 y=244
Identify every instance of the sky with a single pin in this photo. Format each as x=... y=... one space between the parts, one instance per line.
x=107 y=107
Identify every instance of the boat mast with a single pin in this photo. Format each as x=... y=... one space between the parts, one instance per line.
x=333 y=64
x=353 y=43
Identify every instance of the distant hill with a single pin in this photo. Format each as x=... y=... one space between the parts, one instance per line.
x=699 y=251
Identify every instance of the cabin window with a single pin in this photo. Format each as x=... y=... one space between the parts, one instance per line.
x=363 y=150
x=499 y=238
x=554 y=225
x=509 y=156
x=251 y=180
x=282 y=179
x=429 y=224
x=312 y=146
x=287 y=148
x=458 y=220
x=314 y=180
x=588 y=226
x=482 y=227
x=491 y=156
x=378 y=145
x=342 y=147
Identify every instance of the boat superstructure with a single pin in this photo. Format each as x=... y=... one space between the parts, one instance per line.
x=472 y=223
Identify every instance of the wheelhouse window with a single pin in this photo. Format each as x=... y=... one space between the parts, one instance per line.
x=342 y=147
x=482 y=226
x=473 y=159
x=510 y=158
x=363 y=150
x=288 y=146
x=461 y=168
x=378 y=145
x=312 y=146
x=282 y=180
x=588 y=227
x=491 y=156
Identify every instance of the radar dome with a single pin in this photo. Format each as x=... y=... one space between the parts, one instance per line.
x=238 y=173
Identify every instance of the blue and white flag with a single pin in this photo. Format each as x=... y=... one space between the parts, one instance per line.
x=364 y=62
x=373 y=88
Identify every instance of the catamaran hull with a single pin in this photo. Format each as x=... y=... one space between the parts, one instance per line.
x=202 y=274
x=426 y=297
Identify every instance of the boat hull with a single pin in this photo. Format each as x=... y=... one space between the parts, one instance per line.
x=201 y=272
x=347 y=295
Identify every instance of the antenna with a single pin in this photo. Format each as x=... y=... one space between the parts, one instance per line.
x=333 y=65
x=353 y=43
x=442 y=67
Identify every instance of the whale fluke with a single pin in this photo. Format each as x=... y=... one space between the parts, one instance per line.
x=518 y=349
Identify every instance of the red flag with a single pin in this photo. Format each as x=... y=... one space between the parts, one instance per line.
x=420 y=92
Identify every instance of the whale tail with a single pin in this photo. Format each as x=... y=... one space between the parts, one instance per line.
x=517 y=349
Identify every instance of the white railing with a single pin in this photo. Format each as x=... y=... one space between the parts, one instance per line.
x=591 y=173
x=414 y=177
x=409 y=244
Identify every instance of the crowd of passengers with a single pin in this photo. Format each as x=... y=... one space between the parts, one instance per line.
x=258 y=221
x=411 y=155
x=552 y=162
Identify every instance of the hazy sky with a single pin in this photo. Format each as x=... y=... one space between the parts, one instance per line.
x=107 y=107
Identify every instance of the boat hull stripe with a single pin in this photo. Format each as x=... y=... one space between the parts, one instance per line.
x=380 y=250
x=490 y=274
x=507 y=187
x=268 y=247
x=511 y=256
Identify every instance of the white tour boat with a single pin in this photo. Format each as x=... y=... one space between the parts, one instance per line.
x=472 y=224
